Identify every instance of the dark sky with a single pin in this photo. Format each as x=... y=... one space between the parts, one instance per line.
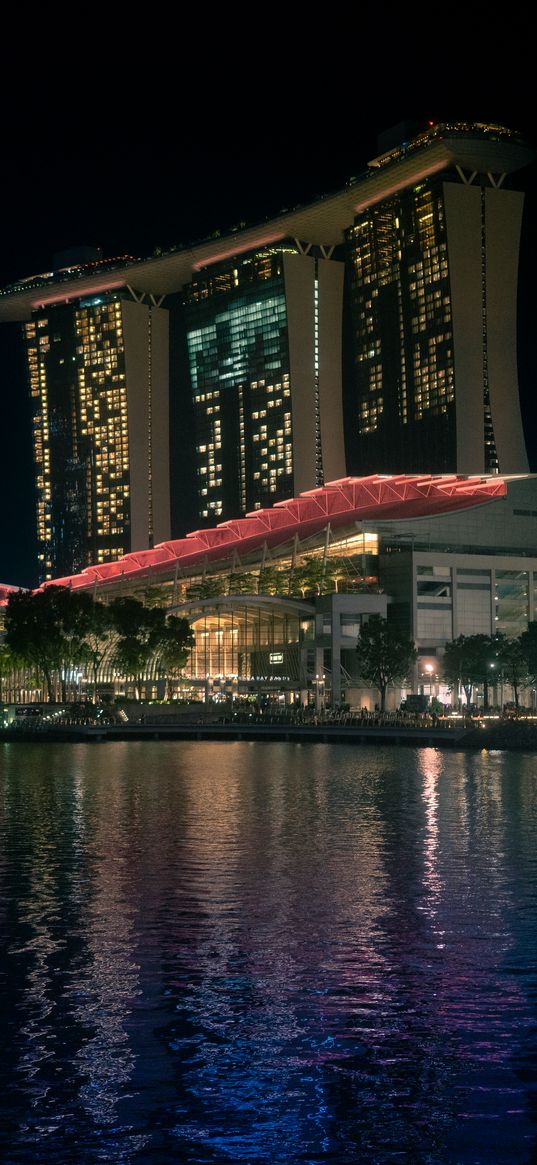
x=128 y=166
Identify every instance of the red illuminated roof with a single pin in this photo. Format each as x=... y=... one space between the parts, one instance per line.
x=6 y=590
x=375 y=498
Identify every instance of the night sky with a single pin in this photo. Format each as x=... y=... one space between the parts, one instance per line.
x=129 y=170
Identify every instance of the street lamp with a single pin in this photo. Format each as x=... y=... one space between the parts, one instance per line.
x=492 y=666
x=429 y=669
x=319 y=692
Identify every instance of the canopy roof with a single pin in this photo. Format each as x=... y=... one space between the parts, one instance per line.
x=340 y=503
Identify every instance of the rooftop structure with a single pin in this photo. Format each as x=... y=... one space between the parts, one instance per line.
x=485 y=148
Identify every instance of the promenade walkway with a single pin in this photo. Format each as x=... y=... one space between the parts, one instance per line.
x=367 y=728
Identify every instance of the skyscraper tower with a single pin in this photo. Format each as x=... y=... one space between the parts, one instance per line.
x=98 y=372
x=433 y=267
x=264 y=338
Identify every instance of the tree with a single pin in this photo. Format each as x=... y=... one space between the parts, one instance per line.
x=206 y=588
x=34 y=634
x=528 y=643
x=100 y=638
x=468 y=661
x=71 y=612
x=514 y=665
x=342 y=573
x=272 y=581
x=138 y=633
x=310 y=576
x=462 y=663
x=9 y=665
x=51 y=631
x=175 y=645
x=56 y=630
x=384 y=655
x=240 y=583
x=144 y=633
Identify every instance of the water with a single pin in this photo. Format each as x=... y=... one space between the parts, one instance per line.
x=267 y=954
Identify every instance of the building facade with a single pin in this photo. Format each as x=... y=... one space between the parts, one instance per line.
x=433 y=289
x=98 y=374
x=371 y=331
x=264 y=352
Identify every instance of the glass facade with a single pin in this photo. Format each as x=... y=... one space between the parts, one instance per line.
x=102 y=399
x=403 y=367
x=511 y=602
x=474 y=601
x=238 y=355
x=349 y=565
x=76 y=365
x=434 y=603
x=249 y=641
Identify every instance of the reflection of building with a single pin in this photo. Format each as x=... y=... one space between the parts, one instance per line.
x=276 y=600
x=271 y=347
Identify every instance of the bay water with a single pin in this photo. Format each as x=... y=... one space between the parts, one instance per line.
x=267 y=953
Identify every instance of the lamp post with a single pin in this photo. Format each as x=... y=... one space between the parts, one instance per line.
x=429 y=669
x=498 y=683
x=493 y=678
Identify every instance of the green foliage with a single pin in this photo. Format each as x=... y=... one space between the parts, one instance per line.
x=139 y=630
x=514 y=665
x=43 y=630
x=101 y=636
x=242 y=584
x=468 y=661
x=310 y=577
x=385 y=656
x=9 y=663
x=340 y=574
x=272 y=581
x=473 y=660
x=528 y=643
x=145 y=632
x=56 y=630
x=175 y=644
x=206 y=588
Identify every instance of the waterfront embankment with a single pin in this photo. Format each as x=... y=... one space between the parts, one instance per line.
x=503 y=734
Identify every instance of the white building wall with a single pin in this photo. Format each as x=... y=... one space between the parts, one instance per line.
x=503 y=222
x=145 y=330
x=463 y=221
x=314 y=318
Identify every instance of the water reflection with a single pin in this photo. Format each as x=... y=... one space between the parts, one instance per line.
x=104 y=981
x=267 y=954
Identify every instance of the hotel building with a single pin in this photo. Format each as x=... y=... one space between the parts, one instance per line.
x=264 y=354
x=433 y=289
x=371 y=331
x=98 y=373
